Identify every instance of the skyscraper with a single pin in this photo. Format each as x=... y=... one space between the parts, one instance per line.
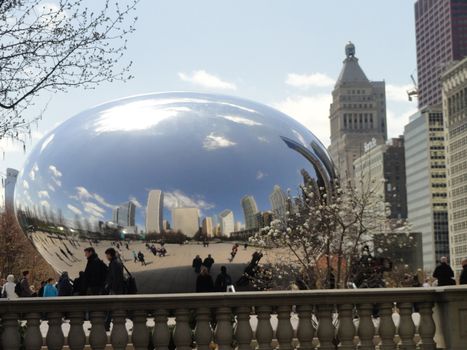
x=441 y=27
x=426 y=183
x=124 y=214
x=384 y=167
x=250 y=209
x=185 y=220
x=278 y=200
x=154 y=211
x=10 y=182
x=357 y=115
x=227 y=222
x=207 y=226
x=454 y=82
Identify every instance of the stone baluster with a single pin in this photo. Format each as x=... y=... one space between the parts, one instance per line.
x=325 y=327
x=243 y=332
x=11 y=339
x=98 y=335
x=223 y=334
x=203 y=330
x=346 y=330
x=33 y=336
x=76 y=336
x=119 y=335
x=387 y=328
x=140 y=334
x=182 y=334
x=264 y=331
x=284 y=333
x=406 y=326
x=305 y=330
x=55 y=338
x=161 y=335
x=366 y=328
x=427 y=327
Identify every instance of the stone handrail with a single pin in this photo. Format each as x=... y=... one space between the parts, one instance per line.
x=224 y=320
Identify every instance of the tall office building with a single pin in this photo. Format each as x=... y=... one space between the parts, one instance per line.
x=124 y=214
x=382 y=167
x=357 y=115
x=426 y=183
x=278 y=200
x=154 y=211
x=185 y=220
x=206 y=226
x=227 y=222
x=454 y=83
x=10 y=182
x=441 y=34
x=250 y=209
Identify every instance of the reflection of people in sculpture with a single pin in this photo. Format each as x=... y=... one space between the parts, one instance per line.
x=141 y=258
x=234 y=251
x=208 y=262
x=223 y=280
x=197 y=262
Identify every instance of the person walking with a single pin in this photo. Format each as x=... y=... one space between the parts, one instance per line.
x=444 y=273
x=24 y=286
x=463 y=276
x=135 y=256
x=204 y=283
x=197 y=262
x=8 y=290
x=208 y=262
x=223 y=280
x=50 y=290
x=115 y=281
x=141 y=258
x=65 y=287
x=95 y=273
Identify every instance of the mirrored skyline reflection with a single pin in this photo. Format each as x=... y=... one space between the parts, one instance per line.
x=135 y=163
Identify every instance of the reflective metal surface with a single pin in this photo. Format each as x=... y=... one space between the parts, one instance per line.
x=173 y=167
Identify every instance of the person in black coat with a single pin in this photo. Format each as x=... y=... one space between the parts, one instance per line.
x=197 y=262
x=115 y=281
x=444 y=274
x=78 y=284
x=95 y=274
x=223 y=280
x=463 y=276
x=204 y=283
x=65 y=287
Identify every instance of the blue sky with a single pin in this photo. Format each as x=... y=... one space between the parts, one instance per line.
x=286 y=54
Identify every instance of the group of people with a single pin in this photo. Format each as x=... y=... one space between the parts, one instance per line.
x=198 y=263
x=161 y=252
x=444 y=274
x=205 y=283
x=98 y=278
x=139 y=257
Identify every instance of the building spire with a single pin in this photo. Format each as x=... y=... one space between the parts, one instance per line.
x=350 y=50
x=351 y=71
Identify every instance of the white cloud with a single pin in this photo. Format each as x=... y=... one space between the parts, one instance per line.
x=43 y=194
x=212 y=142
x=45 y=204
x=54 y=171
x=260 y=175
x=82 y=193
x=74 y=210
x=309 y=80
x=135 y=201
x=263 y=139
x=241 y=120
x=396 y=122
x=178 y=199
x=397 y=93
x=26 y=184
x=311 y=111
x=206 y=80
x=93 y=209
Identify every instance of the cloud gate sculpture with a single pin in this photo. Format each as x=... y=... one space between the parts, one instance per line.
x=159 y=173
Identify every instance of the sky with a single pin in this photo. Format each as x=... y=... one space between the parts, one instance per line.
x=286 y=54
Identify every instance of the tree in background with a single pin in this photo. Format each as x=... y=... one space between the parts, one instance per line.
x=18 y=254
x=320 y=240
x=53 y=46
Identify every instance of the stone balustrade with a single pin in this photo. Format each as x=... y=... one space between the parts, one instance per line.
x=408 y=318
